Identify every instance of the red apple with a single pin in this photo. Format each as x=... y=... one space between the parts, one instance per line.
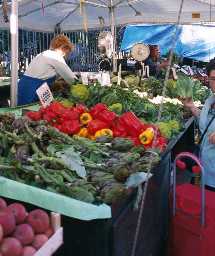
x=7 y=220
x=19 y=212
x=39 y=241
x=11 y=247
x=24 y=233
x=28 y=251
x=39 y=220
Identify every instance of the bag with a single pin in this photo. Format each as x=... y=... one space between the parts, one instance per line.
x=196 y=150
x=192 y=226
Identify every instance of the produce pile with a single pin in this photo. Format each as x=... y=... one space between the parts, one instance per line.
x=22 y=233
x=89 y=143
x=100 y=121
x=119 y=100
x=93 y=171
x=154 y=86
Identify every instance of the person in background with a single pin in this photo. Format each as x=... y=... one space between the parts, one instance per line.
x=44 y=68
x=153 y=61
x=207 y=147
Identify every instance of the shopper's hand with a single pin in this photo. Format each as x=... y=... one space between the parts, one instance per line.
x=211 y=138
x=188 y=103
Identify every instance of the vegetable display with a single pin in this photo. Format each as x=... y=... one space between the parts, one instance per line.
x=98 y=121
x=93 y=171
x=89 y=143
x=119 y=100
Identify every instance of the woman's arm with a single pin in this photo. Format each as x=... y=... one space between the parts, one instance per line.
x=64 y=71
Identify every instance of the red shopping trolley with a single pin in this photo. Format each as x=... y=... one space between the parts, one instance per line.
x=192 y=226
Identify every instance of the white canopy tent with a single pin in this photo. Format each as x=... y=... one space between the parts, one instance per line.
x=45 y=15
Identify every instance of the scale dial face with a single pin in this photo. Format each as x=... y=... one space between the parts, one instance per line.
x=105 y=40
x=140 y=52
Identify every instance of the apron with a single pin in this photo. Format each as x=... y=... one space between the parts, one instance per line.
x=27 y=87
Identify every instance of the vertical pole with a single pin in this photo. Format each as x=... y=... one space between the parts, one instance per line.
x=113 y=32
x=14 y=52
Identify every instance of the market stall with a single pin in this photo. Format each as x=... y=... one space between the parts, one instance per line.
x=95 y=153
x=111 y=224
x=47 y=17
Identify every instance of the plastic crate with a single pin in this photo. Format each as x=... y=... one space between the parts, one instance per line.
x=56 y=240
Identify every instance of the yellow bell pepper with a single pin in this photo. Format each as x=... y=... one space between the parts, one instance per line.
x=83 y=132
x=104 y=132
x=147 y=136
x=91 y=137
x=85 y=118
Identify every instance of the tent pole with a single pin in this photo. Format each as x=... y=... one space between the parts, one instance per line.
x=113 y=32
x=14 y=52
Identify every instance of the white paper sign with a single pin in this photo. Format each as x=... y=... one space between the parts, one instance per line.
x=84 y=77
x=45 y=95
x=105 y=78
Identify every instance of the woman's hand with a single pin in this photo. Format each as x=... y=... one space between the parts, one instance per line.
x=211 y=138
x=188 y=103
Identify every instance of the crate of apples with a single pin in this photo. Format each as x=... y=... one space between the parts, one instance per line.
x=25 y=233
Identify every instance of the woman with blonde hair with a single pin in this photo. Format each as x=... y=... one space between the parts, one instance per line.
x=44 y=68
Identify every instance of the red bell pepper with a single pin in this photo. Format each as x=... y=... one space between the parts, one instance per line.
x=106 y=116
x=95 y=110
x=80 y=109
x=56 y=107
x=70 y=127
x=161 y=143
x=42 y=110
x=34 y=116
x=119 y=133
x=49 y=116
x=118 y=128
x=132 y=124
x=70 y=114
x=96 y=125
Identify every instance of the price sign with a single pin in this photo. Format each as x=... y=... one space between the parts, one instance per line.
x=105 y=78
x=45 y=95
x=84 y=77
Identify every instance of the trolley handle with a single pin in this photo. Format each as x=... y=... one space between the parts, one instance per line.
x=193 y=157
